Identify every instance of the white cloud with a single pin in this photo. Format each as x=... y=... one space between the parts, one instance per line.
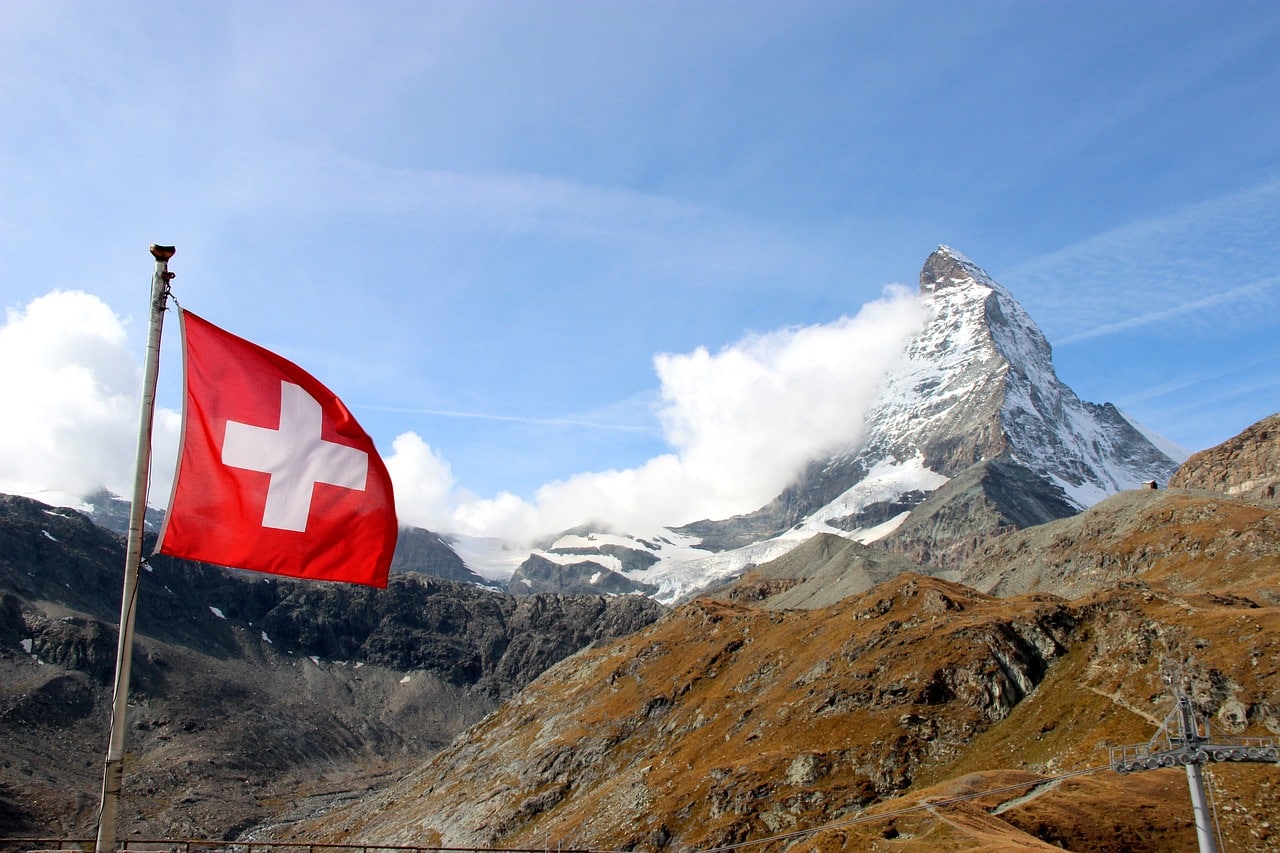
x=72 y=388
x=742 y=423
x=423 y=482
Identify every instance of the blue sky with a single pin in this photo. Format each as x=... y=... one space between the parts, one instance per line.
x=487 y=226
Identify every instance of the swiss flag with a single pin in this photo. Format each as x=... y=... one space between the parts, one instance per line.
x=274 y=475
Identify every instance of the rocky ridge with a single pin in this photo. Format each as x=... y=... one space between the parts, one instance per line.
x=1186 y=540
x=249 y=693
x=766 y=709
x=1246 y=466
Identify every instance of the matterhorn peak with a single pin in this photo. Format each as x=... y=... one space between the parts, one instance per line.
x=975 y=384
x=971 y=434
x=978 y=381
x=947 y=268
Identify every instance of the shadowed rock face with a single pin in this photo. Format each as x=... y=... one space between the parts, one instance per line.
x=424 y=552
x=538 y=574
x=982 y=502
x=249 y=693
x=1246 y=466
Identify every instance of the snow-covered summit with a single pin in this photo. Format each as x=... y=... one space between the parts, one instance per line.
x=978 y=381
x=975 y=384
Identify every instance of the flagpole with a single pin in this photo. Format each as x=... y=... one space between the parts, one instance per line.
x=113 y=772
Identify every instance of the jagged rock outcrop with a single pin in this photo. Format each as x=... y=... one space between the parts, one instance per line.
x=247 y=690
x=424 y=552
x=1246 y=466
x=539 y=574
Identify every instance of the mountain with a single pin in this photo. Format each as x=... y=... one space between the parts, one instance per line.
x=251 y=695
x=417 y=550
x=972 y=434
x=906 y=712
x=1247 y=465
x=424 y=552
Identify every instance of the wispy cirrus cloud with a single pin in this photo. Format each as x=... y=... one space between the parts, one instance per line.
x=1185 y=265
x=1252 y=293
x=580 y=423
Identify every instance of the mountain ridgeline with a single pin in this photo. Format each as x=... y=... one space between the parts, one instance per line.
x=925 y=640
x=846 y=698
x=248 y=690
x=971 y=435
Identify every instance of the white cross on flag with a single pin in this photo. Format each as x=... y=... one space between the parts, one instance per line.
x=275 y=475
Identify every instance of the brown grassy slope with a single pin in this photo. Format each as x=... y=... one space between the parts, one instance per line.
x=1182 y=539
x=723 y=723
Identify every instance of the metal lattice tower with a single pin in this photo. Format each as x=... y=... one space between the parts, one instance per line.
x=1181 y=742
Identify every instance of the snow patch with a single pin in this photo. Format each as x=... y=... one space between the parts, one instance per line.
x=888 y=480
x=490 y=558
x=879 y=531
x=216 y=612
x=49 y=536
x=608 y=561
x=28 y=645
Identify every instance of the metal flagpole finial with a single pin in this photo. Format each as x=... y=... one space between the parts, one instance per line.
x=162 y=253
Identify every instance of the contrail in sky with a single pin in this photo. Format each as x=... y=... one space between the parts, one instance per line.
x=482 y=416
x=1252 y=289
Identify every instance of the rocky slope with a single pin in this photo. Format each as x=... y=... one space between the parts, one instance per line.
x=725 y=723
x=980 y=503
x=907 y=713
x=1185 y=540
x=821 y=572
x=249 y=694
x=1246 y=466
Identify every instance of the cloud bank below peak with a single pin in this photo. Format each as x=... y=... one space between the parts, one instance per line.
x=740 y=422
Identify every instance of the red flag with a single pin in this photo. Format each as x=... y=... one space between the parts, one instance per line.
x=274 y=475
